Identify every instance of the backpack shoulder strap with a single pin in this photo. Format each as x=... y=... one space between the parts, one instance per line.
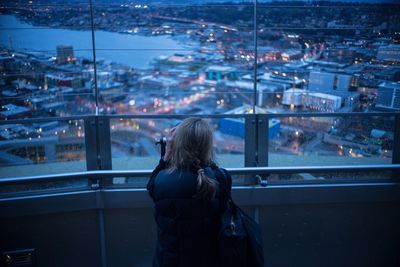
x=225 y=181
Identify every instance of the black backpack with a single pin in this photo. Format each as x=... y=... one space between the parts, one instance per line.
x=239 y=237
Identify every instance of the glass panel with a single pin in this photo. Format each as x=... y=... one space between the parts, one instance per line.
x=198 y=59
x=41 y=148
x=174 y=58
x=133 y=142
x=319 y=141
x=341 y=57
x=45 y=54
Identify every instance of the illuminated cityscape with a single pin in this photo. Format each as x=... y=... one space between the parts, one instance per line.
x=303 y=98
x=191 y=59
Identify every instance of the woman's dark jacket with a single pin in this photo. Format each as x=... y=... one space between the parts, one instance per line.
x=187 y=226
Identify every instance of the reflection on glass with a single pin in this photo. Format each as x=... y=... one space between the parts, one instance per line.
x=332 y=141
x=54 y=145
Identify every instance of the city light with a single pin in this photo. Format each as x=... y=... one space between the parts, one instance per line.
x=164 y=60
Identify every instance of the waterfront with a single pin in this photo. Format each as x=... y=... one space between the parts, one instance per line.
x=136 y=51
x=206 y=64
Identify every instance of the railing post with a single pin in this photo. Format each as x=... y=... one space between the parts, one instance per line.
x=396 y=140
x=103 y=163
x=263 y=140
x=396 y=145
x=98 y=157
x=105 y=159
x=91 y=143
x=250 y=138
x=98 y=143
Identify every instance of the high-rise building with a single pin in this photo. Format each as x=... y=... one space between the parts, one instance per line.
x=316 y=101
x=389 y=53
x=342 y=54
x=330 y=82
x=65 y=54
x=389 y=96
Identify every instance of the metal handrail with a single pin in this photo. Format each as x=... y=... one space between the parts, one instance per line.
x=120 y=116
x=102 y=174
x=45 y=119
x=331 y=114
x=182 y=116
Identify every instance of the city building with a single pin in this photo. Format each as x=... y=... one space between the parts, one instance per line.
x=312 y=100
x=238 y=93
x=37 y=102
x=236 y=127
x=388 y=96
x=52 y=80
x=179 y=58
x=54 y=108
x=291 y=54
x=23 y=85
x=158 y=82
x=389 y=53
x=65 y=54
x=268 y=54
x=322 y=102
x=11 y=111
x=295 y=69
x=327 y=65
x=293 y=97
x=218 y=73
x=389 y=74
x=280 y=80
x=330 y=82
x=9 y=63
x=341 y=54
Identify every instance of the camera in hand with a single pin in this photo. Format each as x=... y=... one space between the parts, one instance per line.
x=163 y=143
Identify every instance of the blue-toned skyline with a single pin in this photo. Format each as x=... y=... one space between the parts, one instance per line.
x=193 y=58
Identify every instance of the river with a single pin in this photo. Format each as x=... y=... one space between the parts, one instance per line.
x=137 y=51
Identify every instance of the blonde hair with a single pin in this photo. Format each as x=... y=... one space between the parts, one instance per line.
x=192 y=149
